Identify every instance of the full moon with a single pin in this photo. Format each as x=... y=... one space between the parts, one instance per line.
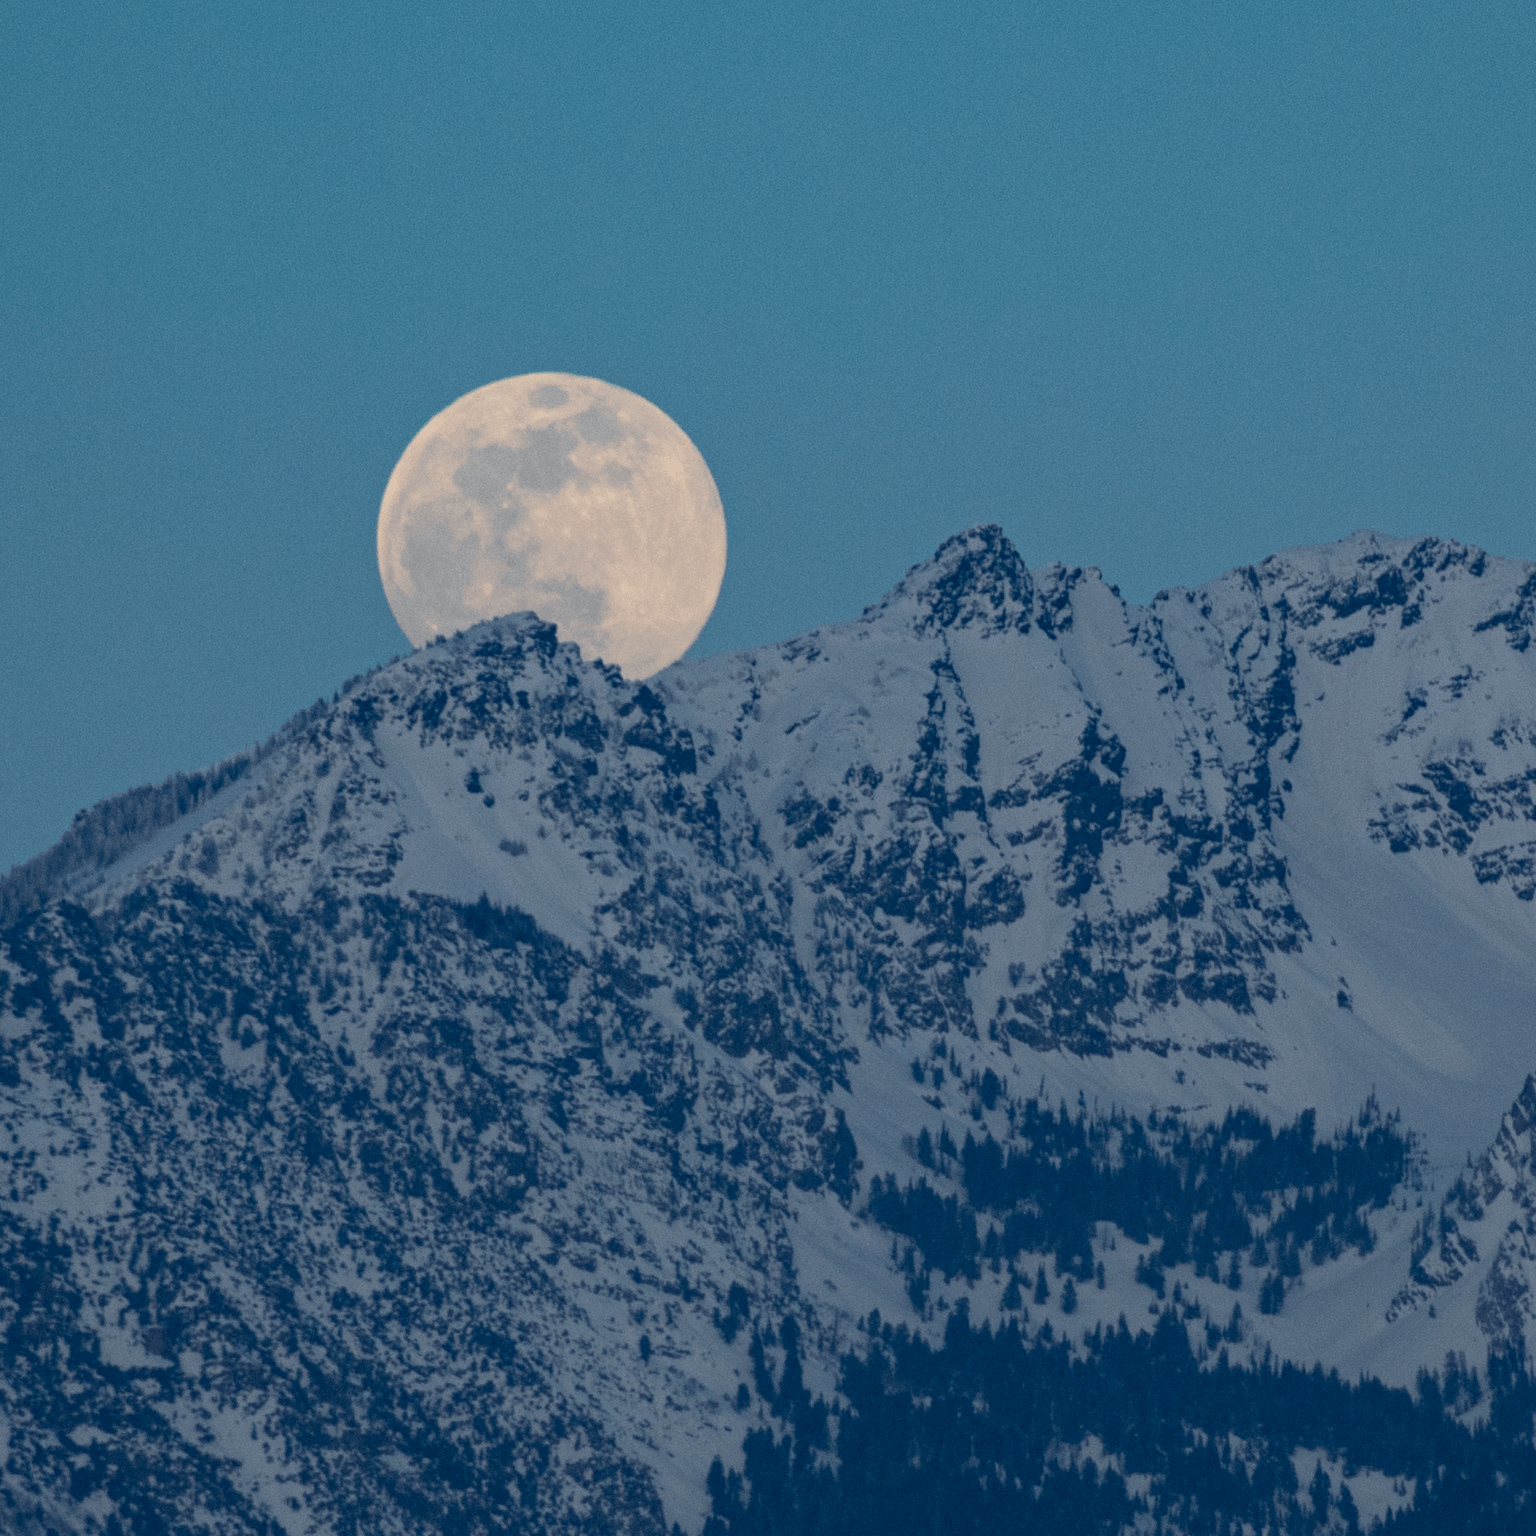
x=564 y=495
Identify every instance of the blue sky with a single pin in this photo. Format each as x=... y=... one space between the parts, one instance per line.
x=1158 y=287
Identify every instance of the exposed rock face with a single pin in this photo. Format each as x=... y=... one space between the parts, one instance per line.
x=1485 y=1235
x=419 y=1130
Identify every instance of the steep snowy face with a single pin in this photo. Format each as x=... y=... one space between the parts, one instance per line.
x=507 y=1053
x=1397 y=689
x=1252 y=839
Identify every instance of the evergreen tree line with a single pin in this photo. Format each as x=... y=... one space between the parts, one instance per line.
x=1225 y=1196
x=107 y=830
x=974 y=1436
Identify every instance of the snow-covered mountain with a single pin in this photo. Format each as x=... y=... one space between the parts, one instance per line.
x=443 y=1109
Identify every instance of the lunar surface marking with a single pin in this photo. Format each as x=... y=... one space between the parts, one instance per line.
x=564 y=495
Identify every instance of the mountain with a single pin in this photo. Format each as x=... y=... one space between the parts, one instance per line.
x=487 y=1104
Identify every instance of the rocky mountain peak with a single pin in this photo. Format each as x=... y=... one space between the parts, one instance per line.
x=975 y=581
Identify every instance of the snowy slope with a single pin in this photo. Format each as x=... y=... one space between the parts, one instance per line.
x=297 y=1119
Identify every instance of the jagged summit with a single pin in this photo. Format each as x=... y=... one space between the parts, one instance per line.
x=975 y=580
x=502 y=1013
